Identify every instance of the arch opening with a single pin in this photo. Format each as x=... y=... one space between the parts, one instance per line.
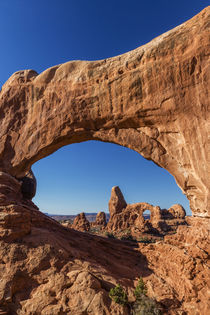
x=83 y=174
x=146 y=214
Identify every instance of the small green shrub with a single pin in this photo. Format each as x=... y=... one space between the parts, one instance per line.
x=118 y=295
x=141 y=289
x=145 y=306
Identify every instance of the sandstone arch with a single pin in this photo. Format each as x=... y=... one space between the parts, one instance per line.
x=153 y=100
x=123 y=216
x=139 y=208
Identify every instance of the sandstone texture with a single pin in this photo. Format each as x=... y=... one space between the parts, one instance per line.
x=80 y=223
x=177 y=211
x=154 y=100
x=125 y=216
x=117 y=202
x=100 y=220
x=183 y=259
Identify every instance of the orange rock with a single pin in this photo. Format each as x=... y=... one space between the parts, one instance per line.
x=153 y=100
x=100 y=220
x=182 y=259
x=117 y=202
x=80 y=223
x=177 y=211
x=131 y=216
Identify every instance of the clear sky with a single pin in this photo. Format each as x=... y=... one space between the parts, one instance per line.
x=38 y=34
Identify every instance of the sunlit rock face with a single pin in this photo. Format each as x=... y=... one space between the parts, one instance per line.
x=125 y=216
x=81 y=223
x=177 y=211
x=153 y=100
x=117 y=202
x=100 y=220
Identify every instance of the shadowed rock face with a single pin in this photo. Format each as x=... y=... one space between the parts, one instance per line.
x=153 y=100
x=28 y=186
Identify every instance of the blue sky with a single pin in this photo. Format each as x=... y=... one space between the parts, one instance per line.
x=38 y=34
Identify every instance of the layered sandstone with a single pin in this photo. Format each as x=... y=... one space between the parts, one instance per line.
x=50 y=269
x=183 y=259
x=153 y=100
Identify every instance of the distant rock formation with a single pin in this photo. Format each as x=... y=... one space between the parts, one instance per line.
x=177 y=211
x=80 y=223
x=117 y=202
x=124 y=216
x=100 y=220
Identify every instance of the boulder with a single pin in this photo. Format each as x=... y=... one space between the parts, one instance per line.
x=28 y=185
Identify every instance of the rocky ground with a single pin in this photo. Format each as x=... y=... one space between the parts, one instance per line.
x=49 y=269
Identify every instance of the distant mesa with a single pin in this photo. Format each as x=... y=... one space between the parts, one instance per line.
x=91 y=216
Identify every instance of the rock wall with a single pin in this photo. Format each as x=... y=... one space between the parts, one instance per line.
x=153 y=100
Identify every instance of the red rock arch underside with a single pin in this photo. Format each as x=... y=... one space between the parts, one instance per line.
x=153 y=100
